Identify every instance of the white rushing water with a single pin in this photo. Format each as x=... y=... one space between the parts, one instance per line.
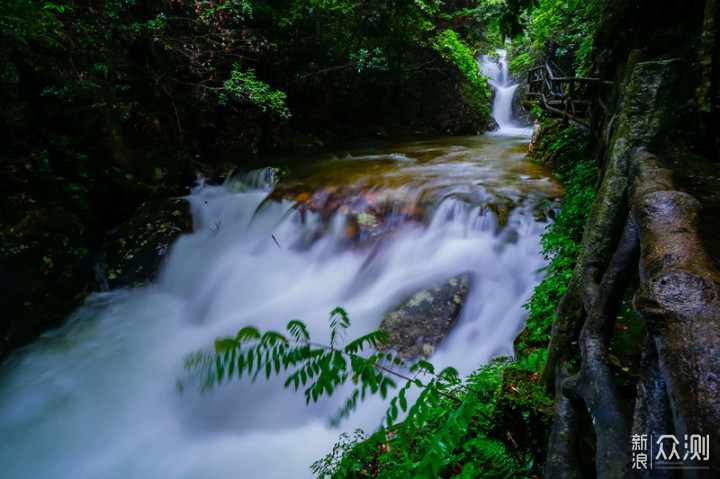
x=97 y=398
x=497 y=68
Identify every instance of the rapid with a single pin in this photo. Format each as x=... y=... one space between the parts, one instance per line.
x=97 y=398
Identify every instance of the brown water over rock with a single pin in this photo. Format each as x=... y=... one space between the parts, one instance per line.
x=378 y=190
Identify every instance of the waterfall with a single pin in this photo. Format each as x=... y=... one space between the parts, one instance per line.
x=497 y=68
x=97 y=397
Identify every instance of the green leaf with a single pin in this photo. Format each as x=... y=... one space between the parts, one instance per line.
x=403 y=401
x=225 y=344
x=276 y=363
x=450 y=373
x=422 y=365
x=220 y=369
x=250 y=359
x=338 y=321
x=298 y=330
x=272 y=337
x=247 y=333
x=240 y=365
x=231 y=366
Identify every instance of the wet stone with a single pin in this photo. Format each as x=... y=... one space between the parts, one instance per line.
x=134 y=252
x=416 y=326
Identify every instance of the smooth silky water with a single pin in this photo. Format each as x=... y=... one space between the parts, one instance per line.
x=97 y=398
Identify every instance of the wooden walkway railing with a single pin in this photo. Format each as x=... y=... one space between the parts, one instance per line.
x=570 y=98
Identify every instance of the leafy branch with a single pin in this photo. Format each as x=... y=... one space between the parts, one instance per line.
x=246 y=87
x=445 y=426
x=320 y=368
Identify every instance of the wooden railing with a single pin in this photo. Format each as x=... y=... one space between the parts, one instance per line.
x=570 y=98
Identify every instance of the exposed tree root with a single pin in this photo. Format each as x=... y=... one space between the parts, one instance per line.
x=640 y=124
x=678 y=299
x=594 y=383
x=562 y=459
x=652 y=411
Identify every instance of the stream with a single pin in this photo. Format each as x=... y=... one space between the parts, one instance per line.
x=360 y=228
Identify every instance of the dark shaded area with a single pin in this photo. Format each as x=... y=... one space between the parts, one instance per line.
x=104 y=108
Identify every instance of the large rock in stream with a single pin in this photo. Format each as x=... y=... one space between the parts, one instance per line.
x=134 y=252
x=418 y=324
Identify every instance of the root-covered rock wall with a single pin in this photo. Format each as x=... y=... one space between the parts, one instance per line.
x=639 y=225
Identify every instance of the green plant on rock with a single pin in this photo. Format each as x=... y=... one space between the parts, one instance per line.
x=444 y=431
x=454 y=50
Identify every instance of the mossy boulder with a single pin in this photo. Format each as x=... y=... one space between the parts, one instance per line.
x=417 y=325
x=134 y=252
x=522 y=115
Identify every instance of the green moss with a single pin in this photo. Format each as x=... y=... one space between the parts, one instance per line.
x=626 y=345
x=419 y=298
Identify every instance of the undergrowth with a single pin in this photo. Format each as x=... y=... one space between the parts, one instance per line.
x=448 y=431
x=563 y=150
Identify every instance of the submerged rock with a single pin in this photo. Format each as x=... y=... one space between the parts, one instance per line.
x=134 y=252
x=417 y=325
x=370 y=212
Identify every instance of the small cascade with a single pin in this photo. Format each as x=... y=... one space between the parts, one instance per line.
x=497 y=68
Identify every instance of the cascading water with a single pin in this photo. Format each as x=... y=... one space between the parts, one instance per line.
x=497 y=68
x=98 y=398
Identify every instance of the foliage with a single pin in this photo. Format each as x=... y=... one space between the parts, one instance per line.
x=564 y=30
x=520 y=63
x=245 y=86
x=444 y=431
x=454 y=50
x=561 y=241
x=511 y=18
x=204 y=62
